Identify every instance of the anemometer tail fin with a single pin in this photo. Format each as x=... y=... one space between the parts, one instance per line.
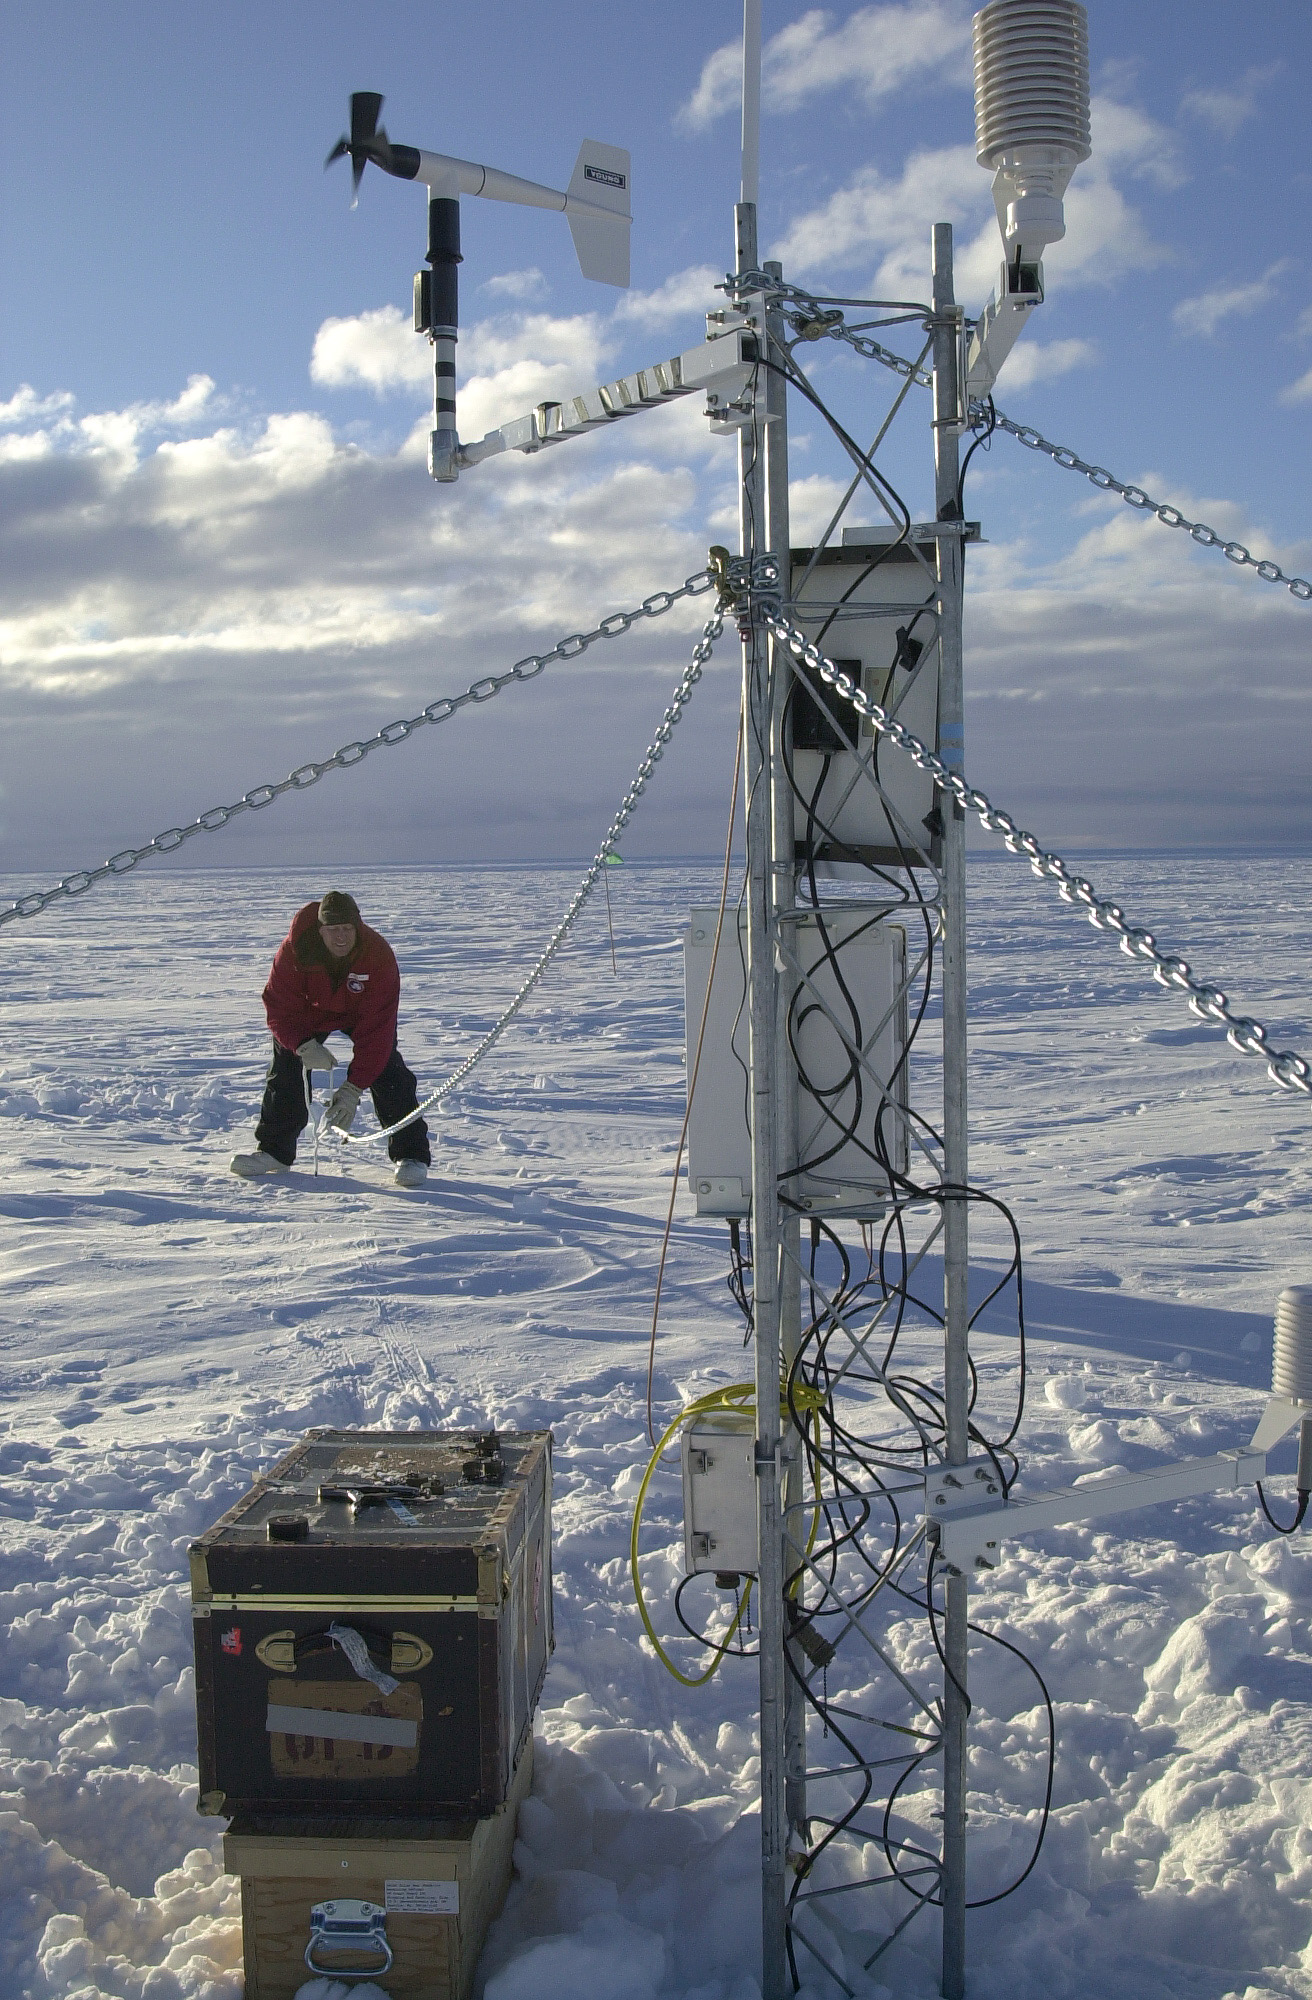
x=597 y=208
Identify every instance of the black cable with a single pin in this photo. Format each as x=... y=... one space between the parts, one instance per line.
x=1297 y=1521
x=726 y=1652
x=984 y=439
x=848 y=1471
x=982 y=1632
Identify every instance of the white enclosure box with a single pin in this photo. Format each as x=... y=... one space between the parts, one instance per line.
x=878 y=601
x=719 y=1495
x=848 y=1031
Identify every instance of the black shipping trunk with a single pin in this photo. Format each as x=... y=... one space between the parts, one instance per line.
x=430 y=1551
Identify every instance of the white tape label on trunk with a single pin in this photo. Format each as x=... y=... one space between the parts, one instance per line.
x=331 y=1722
x=423 y=1899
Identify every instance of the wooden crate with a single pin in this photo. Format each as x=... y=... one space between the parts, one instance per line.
x=285 y=1873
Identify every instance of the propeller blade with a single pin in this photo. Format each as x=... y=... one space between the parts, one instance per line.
x=368 y=141
x=365 y=107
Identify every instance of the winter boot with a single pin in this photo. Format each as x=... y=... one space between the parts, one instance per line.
x=254 y=1166
x=410 y=1173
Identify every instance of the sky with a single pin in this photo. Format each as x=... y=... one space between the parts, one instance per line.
x=222 y=555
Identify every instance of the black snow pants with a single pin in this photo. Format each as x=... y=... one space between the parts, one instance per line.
x=283 y=1114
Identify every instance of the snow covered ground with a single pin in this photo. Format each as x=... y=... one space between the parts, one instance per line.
x=168 y=1330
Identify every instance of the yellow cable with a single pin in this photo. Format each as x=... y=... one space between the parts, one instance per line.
x=740 y=1398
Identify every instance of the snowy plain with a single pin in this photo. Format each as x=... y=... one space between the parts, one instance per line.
x=168 y=1330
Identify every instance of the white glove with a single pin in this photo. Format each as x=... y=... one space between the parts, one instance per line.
x=316 y=1055
x=342 y=1107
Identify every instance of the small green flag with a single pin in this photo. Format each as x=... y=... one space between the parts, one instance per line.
x=614 y=860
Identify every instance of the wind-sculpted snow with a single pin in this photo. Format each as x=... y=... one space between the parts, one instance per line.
x=168 y=1330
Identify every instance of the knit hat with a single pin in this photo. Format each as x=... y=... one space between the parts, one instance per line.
x=339 y=908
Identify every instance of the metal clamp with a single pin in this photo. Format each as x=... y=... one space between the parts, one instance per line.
x=967 y=1515
x=348 y=1924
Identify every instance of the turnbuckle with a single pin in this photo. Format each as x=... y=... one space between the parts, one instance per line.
x=746 y=585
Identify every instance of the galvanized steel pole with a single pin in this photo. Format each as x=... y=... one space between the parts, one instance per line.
x=784 y=878
x=762 y=1003
x=956 y=1371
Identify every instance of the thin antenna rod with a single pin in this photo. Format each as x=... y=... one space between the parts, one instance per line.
x=751 y=99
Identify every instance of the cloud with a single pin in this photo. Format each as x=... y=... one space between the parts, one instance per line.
x=517 y=361
x=875 y=217
x=1227 y=111
x=1298 y=392
x=376 y=350
x=1101 y=685
x=507 y=364
x=522 y=285
x=26 y=407
x=224 y=600
x=1202 y=315
x=684 y=295
x=1127 y=139
x=885 y=222
x=812 y=502
x=874 y=52
x=1029 y=362
x=223 y=606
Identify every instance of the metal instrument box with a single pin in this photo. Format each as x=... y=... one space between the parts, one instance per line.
x=848 y=963
x=372 y=1625
x=719 y=1495
x=858 y=800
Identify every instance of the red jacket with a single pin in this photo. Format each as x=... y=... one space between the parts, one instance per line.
x=301 y=999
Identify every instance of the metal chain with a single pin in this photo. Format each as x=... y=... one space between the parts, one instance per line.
x=813 y=321
x=1292 y=1072
x=1134 y=496
x=350 y=754
x=701 y=653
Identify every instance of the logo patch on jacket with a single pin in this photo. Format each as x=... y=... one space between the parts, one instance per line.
x=356 y=982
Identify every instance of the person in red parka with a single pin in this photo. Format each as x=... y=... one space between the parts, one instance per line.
x=332 y=971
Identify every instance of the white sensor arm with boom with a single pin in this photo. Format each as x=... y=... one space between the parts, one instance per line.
x=720 y=368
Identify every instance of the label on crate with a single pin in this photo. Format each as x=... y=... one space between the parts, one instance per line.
x=343 y=1731
x=423 y=1899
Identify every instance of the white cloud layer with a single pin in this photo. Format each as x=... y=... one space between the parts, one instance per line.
x=682 y=297
x=1202 y=315
x=513 y=360
x=1031 y=362
x=375 y=350
x=875 y=51
x=1226 y=112
x=221 y=601
x=518 y=285
x=881 y=223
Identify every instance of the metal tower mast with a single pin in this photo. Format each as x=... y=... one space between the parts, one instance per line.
x=777 y=1264
x=948 y=415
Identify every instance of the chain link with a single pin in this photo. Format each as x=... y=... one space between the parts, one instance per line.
x=812 y=321
x=1292 y=1072
x=701 y=653
x=350 y=754
x=1134 y=496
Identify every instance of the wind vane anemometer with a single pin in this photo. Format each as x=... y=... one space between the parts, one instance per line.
x=596 y=205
